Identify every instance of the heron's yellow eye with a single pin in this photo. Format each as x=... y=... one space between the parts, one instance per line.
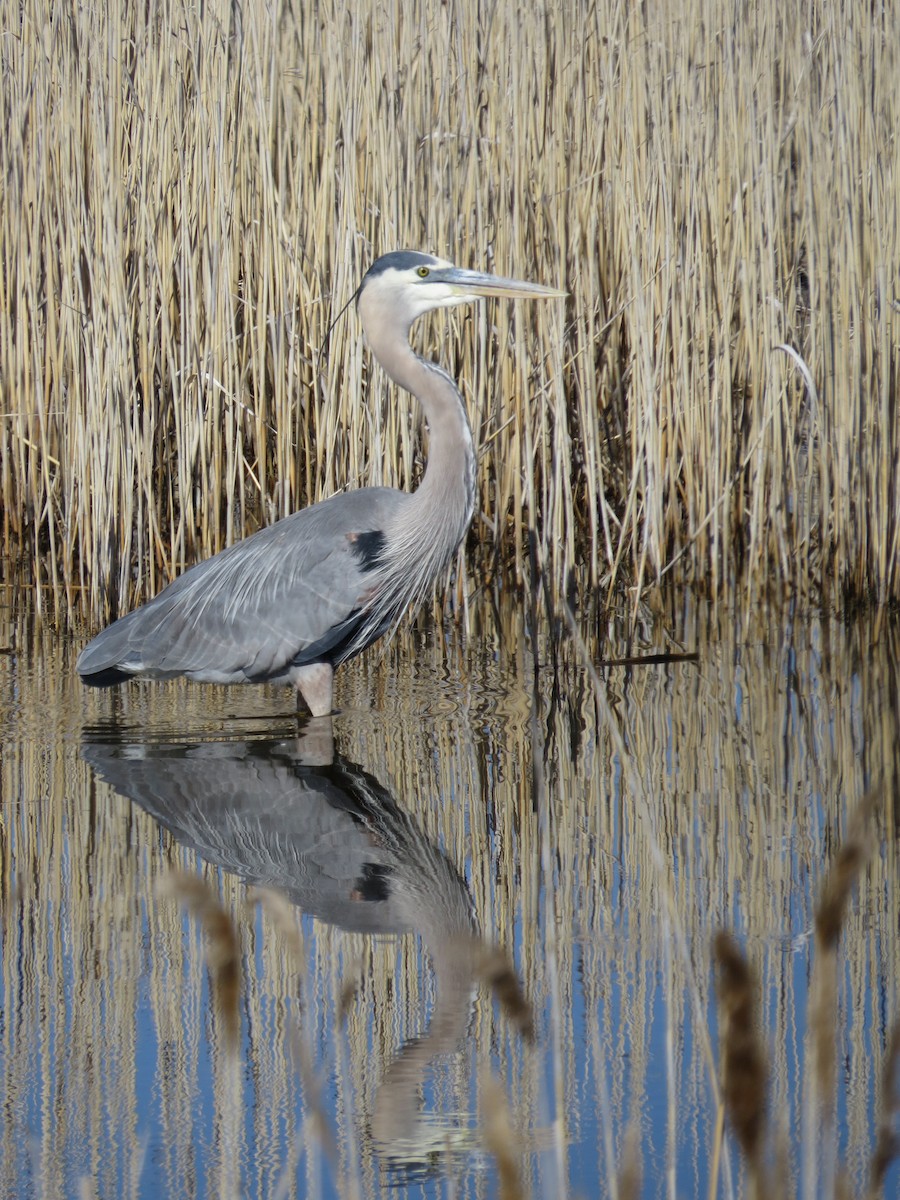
x=423 y=272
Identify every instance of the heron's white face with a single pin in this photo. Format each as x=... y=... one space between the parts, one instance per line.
x=406 y=284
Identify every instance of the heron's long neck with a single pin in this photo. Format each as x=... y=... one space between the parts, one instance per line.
x=441 y=508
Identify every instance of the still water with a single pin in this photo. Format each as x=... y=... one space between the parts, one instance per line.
x=339 y=1035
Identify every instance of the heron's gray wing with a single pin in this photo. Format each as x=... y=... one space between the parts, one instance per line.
x=280 y=597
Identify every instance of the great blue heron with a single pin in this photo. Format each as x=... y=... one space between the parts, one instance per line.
x=293 y=601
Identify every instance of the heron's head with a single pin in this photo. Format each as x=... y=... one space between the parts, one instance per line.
x=407 y=284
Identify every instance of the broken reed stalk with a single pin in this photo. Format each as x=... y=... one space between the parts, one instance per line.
x=629 y=1180
x=887 y=1144
x=223 y=953
x=493 y=967
x=821 y=1176
x=744 y=1063
x=500 y=1139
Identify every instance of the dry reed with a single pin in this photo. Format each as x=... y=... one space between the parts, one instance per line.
x=821 y=1160
x=493 y=967
x=223 y=953
x=283 y=916
x=191 y=193
x=887 y=1144
x=744 y=1070
x=629 y=1181
x=500 y=1140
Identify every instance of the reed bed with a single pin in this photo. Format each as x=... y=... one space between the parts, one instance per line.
x=751 y=763
x=190 y=194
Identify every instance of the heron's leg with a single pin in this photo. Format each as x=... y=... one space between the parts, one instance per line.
x=315 y=683
x=314 y=746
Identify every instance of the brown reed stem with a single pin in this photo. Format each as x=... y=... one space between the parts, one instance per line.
x=223 y=955
x=887 y=1143
x=500 y=1140
x=744 y=1064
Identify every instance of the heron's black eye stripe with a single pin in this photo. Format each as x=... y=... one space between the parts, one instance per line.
x=423 y=272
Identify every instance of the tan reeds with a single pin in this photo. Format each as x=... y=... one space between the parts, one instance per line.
x=188 y=198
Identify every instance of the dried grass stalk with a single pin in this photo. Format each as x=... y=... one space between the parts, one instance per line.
x=744 y=1064
x=829 y=919
x=630 y=1165
x=349 y=989
x=500 y=1140
x=283 y=916
x=493 y=967
x=887 y=1144
x=312 y=1092
x=223 y=953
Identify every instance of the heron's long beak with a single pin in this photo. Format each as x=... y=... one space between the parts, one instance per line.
x=474 y=284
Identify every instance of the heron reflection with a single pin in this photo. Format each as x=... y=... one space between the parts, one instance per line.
x=292 y=815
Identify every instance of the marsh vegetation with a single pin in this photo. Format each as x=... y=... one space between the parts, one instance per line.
x=191 y=194
x=692 y=864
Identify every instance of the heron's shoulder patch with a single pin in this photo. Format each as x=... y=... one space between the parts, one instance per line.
x=368 y=547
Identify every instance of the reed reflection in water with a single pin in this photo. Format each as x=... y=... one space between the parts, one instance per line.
x=704 y=796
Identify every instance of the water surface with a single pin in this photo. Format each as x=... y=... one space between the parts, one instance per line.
x=460 y=797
